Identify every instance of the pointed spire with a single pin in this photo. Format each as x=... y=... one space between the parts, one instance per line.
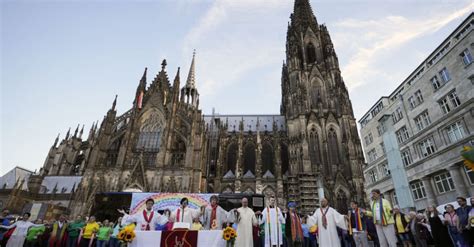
x=163 y=65
x=56 y=140
x=77 y=130
x=68 y=133
x=81 y=132
x=303 y=15
x=115 y=100
x=144 y=75
x=140 y=91
x=191 y=82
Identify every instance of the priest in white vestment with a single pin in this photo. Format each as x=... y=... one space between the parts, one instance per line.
x=185 y=214
x=146 y=220
x=327 y=219
x=246 y=220
x=214 y=215
x=273 y=219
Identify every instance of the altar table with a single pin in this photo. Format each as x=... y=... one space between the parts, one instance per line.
x=153 y=239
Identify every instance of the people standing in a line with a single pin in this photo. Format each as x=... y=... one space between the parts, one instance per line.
x=401 y=226
x=32 y=237
x=88 y=232
x=245 y=219
x=454 y=229
x=103 y=234
x=73 y=230
x=293 y=227
x=418 y=229
x=114 y=242
x=438 y=229
x=328 y=220
x=357 y=226
x=17 y=239
x=214 y=216
x=58 y=236
x=146 y=219
x=381 y=211
x=273 y=218
x=463 y=214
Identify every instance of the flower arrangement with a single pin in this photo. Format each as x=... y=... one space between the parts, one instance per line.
x=313 y=230
x=127 y=234
x=229 y=235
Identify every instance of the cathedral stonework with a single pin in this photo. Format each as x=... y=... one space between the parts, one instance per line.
x=164 y=143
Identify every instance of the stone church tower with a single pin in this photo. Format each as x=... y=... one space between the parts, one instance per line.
x=164 y=143
x=324 y=148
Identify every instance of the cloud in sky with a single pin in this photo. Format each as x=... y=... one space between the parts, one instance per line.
x=371 y=38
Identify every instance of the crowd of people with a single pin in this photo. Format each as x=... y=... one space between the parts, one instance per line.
x=380 y=225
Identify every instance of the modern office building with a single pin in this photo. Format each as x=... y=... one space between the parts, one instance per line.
x=412 y=138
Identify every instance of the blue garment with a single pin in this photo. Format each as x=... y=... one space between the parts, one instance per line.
x=463 y=215
x=160 y=227
x=305 y=228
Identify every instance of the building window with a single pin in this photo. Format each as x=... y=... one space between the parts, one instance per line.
x=444 y=182
x=444 y=105
x=455 y=132
x=397 y=115
x=419 y=97
x=384 y=170
x=466 y=57
x=368 y=139
x=422 y=120
x=406 y=157
x=444 y=74
x=453 y=97
x=372 y=155
x=149 y=141
x=402 y=134
x=373 y=176
x=470 y=175
x=418 y=190
x=427 y=147
x=380 y=129
x=377 y=109
x=412 y=102
x=435 y=82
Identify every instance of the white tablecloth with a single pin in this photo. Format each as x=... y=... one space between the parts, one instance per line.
x=153 y=239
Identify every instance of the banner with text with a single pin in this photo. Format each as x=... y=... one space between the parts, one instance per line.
x=167 y=200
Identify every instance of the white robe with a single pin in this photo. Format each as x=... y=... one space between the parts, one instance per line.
x=187 y=216
x=221 y=218
x=328 y=236
x=273 y=229
x=157 y=219
x=19 y=234
x=245 y=224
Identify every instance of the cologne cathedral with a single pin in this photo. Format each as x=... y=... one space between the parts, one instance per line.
x=164 y=143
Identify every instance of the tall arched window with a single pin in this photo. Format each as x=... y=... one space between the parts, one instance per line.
x=267 y=159
x=249 y=158
x=310 y=53
x=333 y=147
x=231 y=158
x=284 y=156
x=341 y=202
x=178 y=153
x=314 y=153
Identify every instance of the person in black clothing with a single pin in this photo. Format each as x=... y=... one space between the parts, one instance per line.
x=463 y=214
x=439 y=232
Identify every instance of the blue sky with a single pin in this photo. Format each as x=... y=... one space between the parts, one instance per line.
x=62 y=62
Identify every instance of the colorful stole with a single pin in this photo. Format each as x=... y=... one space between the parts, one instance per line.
x=54 y=241
x=325 y=220
x=381 y=211
x=269 y=226
x=213 y=222
x=358 y=221
x=296 y=231
x=148 y=220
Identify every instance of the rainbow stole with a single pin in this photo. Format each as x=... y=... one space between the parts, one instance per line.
x=358 y=221
x=381 y=211
x=269 y=225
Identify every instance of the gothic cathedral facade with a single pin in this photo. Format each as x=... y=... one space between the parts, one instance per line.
x=164 y=143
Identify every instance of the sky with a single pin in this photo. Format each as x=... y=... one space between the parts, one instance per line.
x=63 y=62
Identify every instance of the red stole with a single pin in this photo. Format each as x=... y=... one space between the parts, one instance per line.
x=296 y=231
x=179 y=215
x=213 y=221
x=148 y=219
x=325 y=220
